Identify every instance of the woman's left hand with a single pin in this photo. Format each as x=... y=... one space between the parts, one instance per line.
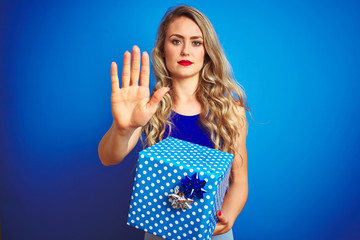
x=222 y=225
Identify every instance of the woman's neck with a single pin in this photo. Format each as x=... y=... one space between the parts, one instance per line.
x=184 y=88
x=185 y=101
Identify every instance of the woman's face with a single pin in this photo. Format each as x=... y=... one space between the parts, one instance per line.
x=184 y=50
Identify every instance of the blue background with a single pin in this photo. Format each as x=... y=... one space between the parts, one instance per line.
x=297 y=60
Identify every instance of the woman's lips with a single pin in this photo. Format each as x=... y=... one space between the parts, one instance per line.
x=185 y=62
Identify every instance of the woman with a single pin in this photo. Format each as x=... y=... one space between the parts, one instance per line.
x=194 y=91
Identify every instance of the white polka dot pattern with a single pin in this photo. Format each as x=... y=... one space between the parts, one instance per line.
x=159 y=170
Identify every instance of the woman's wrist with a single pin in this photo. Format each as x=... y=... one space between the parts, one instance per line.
x=122 y=132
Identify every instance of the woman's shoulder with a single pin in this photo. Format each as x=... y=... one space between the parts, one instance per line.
x=239 y=112
x=240 y=108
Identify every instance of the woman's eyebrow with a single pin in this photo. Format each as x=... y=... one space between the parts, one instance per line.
x=180 y=36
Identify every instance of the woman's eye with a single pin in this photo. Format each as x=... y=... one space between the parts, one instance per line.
x=196 y=43
x=176 y=42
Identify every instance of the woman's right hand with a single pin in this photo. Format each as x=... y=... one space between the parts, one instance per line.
x=131 y=105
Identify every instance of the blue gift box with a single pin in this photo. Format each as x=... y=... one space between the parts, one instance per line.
x=178 y=188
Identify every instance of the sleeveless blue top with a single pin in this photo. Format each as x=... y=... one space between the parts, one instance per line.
x=189 y=128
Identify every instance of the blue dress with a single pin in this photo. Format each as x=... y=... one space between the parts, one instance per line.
x=189 y=128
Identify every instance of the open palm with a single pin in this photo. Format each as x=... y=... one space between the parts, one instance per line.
x=131 y=105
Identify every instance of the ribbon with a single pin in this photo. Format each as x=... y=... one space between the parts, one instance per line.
x=193 y=186
x=178 y=199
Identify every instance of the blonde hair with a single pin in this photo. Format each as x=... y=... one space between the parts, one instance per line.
x=216 y=90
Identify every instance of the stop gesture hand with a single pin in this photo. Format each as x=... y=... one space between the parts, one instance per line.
x=131 y=105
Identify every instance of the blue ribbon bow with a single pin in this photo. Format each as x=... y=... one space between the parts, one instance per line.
x=193 y=186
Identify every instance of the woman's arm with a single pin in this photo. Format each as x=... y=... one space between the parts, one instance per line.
x=116 y=145
x=237 y=193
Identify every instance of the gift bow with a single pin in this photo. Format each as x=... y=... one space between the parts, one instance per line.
x=193 y=186
x=178 y=199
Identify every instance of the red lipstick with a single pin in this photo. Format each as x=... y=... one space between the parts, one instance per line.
x=185 y=62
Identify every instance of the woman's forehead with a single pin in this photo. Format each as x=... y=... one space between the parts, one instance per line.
x=184 y=26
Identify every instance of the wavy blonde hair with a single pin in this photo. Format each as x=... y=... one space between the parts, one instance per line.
x=217 y=90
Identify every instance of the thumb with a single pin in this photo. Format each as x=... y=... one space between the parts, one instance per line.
x=156 y=98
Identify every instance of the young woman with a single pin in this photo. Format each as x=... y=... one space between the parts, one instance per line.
x=195 y=99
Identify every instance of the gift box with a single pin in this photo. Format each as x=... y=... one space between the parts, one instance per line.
x=178 y=188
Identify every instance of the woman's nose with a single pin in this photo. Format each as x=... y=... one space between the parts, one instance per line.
x=185 y=49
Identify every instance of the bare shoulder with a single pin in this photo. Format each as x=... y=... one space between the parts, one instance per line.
x=239 y=113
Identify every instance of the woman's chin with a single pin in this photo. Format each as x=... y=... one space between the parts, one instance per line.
x=185 y=75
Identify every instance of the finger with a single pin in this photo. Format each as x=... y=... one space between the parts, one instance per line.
x=114 y=77
x=145 y=70
x=221 y=217
x=135 y=66
x=156 y=98
x=126 y=70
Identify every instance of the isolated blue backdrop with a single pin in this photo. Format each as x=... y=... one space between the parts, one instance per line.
x=297 y=60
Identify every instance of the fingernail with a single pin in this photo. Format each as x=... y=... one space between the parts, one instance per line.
x=219 y=213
